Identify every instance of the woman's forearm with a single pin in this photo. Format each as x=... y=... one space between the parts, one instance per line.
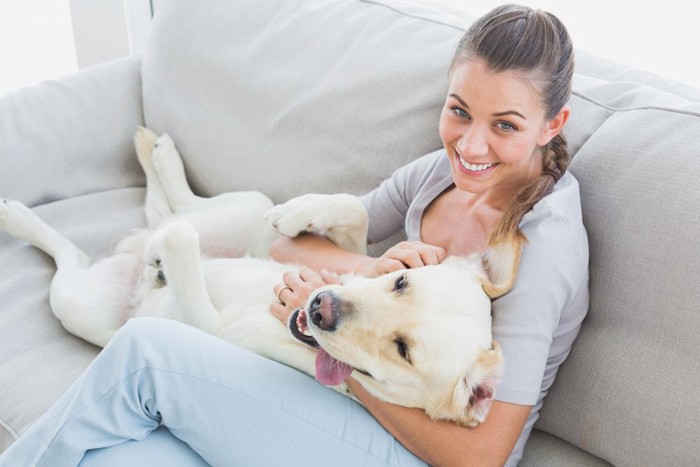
x=317 y=253
x=443 y=443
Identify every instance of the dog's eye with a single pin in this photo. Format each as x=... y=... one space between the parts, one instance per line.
x=402 y=348
x=401 y=283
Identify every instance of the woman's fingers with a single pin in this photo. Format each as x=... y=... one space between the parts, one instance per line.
x=280 y=312
x=329 y=277
x=416 y=254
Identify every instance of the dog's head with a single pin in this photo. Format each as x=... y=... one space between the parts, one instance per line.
x=418 y=338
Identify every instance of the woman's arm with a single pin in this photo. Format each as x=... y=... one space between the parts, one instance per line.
x=443 y=443
x=319 y=253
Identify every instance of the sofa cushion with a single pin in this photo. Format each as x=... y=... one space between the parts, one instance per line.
x=72 y=135
x=39 y=356
x=628 y=391
x=332 y=95
x=546 y=450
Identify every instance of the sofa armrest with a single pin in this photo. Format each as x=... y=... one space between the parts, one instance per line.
x=73 y=135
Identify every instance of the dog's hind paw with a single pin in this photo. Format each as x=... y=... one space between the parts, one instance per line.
x=144 y=142
x=171 y=251
x=164 y=147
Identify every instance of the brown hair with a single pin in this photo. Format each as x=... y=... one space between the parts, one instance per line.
x=536 y=44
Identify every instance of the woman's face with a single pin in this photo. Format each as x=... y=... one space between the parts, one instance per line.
x=493 y=126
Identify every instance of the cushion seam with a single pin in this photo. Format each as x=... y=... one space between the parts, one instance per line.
x=629 y=109
x=5 y=426
x=403 y=13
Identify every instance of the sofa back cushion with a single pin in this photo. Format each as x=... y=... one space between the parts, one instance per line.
x=629 y=389
x=295 y=96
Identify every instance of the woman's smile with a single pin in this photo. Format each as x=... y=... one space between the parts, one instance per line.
x=475 y=169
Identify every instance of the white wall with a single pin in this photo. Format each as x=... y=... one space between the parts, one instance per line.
x=36 y=36
x=658 y=36
x=36 y=42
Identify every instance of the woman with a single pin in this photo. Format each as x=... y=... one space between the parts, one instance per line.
x=503 y=167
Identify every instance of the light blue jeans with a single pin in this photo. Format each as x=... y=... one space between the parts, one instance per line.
x=221 y=405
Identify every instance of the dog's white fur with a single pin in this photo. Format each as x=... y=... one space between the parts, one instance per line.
x=418 y=338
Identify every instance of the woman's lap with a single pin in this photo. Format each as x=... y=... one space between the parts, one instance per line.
x=232 y=406
x=158 y=448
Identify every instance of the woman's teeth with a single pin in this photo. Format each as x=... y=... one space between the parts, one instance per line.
x=475 y=167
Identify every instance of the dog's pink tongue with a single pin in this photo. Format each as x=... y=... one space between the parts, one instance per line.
x=330 y=371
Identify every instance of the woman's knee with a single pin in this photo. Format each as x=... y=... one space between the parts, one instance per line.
x=147 y=332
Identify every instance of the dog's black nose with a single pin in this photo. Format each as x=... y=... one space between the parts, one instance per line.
x=322 y=311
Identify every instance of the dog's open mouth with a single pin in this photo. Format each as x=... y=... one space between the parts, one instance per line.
x=329 y=370
x=299 y=327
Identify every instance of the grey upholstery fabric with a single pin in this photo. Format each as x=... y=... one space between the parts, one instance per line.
x=332 y=95
x=72 y=136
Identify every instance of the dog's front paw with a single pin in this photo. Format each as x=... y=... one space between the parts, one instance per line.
x=291 y=218
x=315 y=213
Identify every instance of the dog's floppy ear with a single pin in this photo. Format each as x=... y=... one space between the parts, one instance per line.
x=501 y=263
x=473 y=394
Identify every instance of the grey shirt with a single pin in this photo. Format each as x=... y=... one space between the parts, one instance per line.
x=538 y=320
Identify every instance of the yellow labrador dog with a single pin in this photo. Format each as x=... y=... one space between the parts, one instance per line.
x=418 y=338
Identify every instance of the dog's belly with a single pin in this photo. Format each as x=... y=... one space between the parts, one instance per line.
x=239 y=284
x=242 y=290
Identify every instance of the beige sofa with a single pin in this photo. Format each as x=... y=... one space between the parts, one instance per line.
x=295 y=96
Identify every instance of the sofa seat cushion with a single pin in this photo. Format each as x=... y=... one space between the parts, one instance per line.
x=39 y=356
x=546 y=450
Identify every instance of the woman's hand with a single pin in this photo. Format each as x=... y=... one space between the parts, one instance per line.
x=404 y=255
x=294 y=292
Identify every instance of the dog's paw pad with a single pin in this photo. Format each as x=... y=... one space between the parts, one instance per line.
x=161 y=281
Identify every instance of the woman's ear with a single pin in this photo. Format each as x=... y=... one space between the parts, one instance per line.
x=501 y=263
x=554 y=126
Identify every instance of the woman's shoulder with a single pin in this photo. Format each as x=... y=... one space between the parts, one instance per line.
x=563 y=203
x=555 y=230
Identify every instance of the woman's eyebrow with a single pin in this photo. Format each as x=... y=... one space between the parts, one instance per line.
x=459 y=99
x=498 y=114
x=509 y=112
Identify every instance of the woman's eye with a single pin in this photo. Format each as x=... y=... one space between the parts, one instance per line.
x=506 y=126
x=400 y=284
x=461 y=113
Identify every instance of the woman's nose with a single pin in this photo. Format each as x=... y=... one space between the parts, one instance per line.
x=473 y=142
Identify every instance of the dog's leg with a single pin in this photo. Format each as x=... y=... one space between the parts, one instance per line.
x=341 y=218
x=174 y=249
x=21 y=222
x=87 y=299
x=229 y=225
x=171 y=173
x=157 y=206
